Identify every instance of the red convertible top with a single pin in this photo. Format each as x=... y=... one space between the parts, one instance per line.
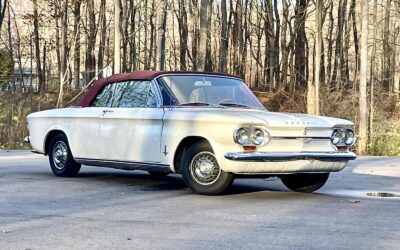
x=136 y=75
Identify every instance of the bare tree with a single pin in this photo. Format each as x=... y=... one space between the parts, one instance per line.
x=3 y=6
x=201 y=62
x=77 y=47
x=223 y=49
x=117 y=37
x=313 y=89
x=162 y=35
x=103 y=34
x=300 y=44
x=90 y=62
x=37 y=46
x=363 y=122
x=181 y=15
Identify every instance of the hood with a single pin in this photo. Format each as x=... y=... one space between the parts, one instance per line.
x=275 y=119
x=270 y=119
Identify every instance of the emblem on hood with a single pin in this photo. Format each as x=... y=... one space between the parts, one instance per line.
x=305 y=131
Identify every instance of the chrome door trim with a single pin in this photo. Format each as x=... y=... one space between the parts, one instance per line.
x=125 y=165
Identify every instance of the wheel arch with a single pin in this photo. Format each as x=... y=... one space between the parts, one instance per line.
x=182 y=147
x=50 y=135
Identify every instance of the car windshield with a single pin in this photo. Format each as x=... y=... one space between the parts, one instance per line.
x=204 y=90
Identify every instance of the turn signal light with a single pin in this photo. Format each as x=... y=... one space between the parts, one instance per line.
x=249 y=148
x=342 y=148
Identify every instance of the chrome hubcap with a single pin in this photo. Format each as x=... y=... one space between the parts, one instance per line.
x=204 y=168
x=60 y=155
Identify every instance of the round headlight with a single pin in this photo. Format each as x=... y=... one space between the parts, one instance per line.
x=257 y=136
x=242 y=136
x=349 y=137
x=335 y=137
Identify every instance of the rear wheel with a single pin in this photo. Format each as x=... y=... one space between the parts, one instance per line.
x=305 y=183
x=62 y=162
x=201 y=172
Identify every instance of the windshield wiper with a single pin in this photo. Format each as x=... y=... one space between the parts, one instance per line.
x=234 y=105
x=195 y=104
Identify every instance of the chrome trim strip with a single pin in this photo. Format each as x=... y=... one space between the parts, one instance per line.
x=300 y=137
x=207 y=75
x=290 y=156
x=156 y=89
x=197 y=74
x=126 y=165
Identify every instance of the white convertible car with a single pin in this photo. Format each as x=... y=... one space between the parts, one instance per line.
x=208 y=127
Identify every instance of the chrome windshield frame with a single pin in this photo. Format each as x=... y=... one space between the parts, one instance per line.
x=155 y=80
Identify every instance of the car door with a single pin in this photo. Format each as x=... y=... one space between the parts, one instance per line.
x=130 y=128
x=84 y=128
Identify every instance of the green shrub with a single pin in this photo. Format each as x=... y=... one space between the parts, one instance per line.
x=386 y=141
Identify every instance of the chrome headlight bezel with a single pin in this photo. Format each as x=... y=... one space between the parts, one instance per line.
x=251 y=136
x=343 y=137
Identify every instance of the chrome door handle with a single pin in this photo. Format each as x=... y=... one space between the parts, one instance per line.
x=107 y=111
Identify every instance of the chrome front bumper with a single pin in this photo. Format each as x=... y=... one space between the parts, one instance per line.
x=291 y=156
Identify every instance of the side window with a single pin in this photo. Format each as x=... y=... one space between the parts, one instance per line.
x=137 y=94
x=104 y=98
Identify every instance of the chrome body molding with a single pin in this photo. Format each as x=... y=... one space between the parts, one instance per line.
x=291 y=156
x=125 y=165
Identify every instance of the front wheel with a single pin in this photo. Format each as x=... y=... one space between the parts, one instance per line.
x=305 y=183
x=61 y=160
x=201 y=172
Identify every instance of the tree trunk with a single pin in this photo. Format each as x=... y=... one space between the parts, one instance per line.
x=11 y=49
x=57 y=38
x=44 y=66
x=208 y=60
x=103 y=35
x=338 y=63
x=152 y=37
x=396 y=84
x=300 y=44
x=63 y=54
x=372 y=78
x=3 y=6
x=363 y=122
x=386 y=49
x=90 y=62
x=284 y=48
x=19 y=54
x=37 y=46
x=183 y=34
x=201 y=62
x=77 y=47
x=223 y=49
x=328 y=70
x=313 y=89
x=124 y=32
x=117 y=37
x=276 y=44
x=132 y=41
x=161 y=35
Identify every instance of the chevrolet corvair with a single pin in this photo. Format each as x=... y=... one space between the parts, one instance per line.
x=208 y=127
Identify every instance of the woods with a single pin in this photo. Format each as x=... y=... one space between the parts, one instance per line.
x=327 y=57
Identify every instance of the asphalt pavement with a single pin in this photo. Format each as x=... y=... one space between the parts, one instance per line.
x=114 y=209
